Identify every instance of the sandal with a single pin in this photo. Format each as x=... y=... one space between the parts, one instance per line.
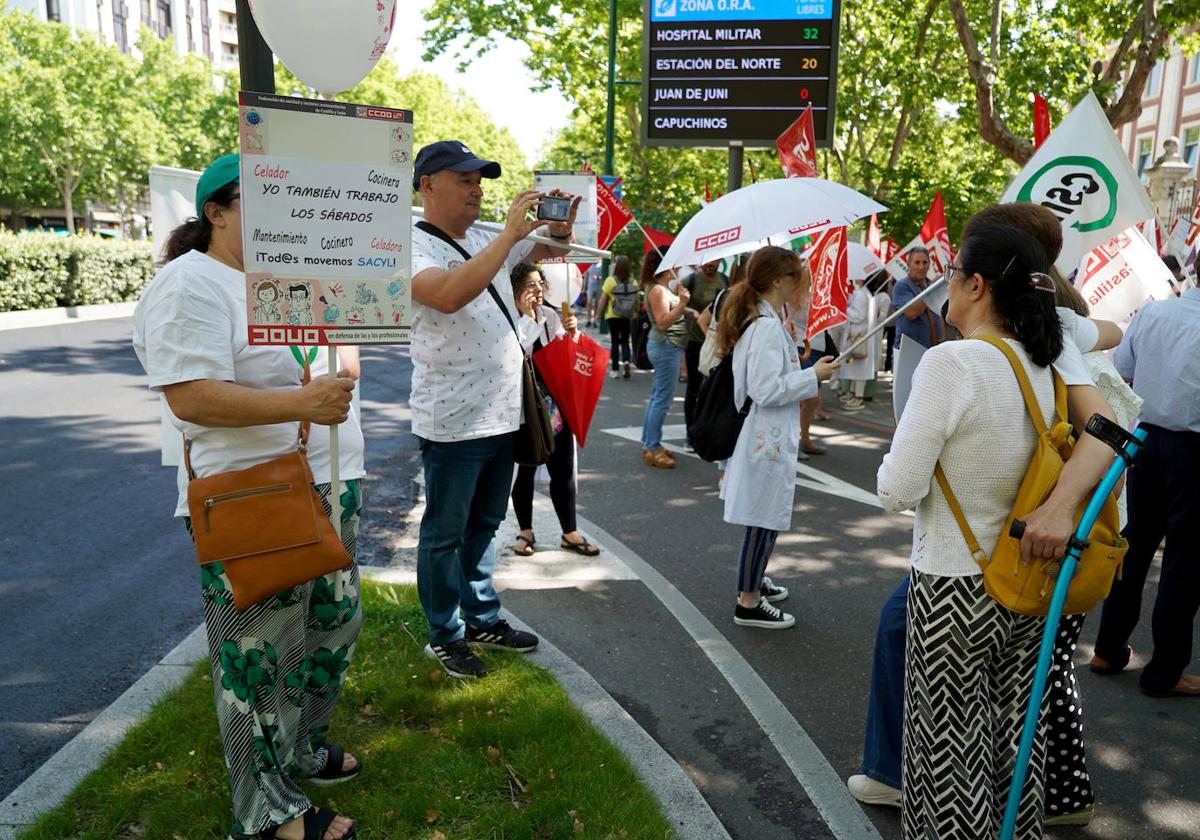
x=316 y=823
x=1100 y=665
x=584 y=547
x=527 y=550
x=332 y=772
x=813 y=449
x=821 y=415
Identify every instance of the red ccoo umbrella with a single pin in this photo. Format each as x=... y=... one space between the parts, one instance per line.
x=573 y=369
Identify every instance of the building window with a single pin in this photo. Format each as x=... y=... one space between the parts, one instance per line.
x=164 y=18
x=1193 y=76
x=53 y=10
x=1191 y=145
x=1145 y=155
x=205 y=25
x=120 y=31
x=146 y=18
x=1154 y=83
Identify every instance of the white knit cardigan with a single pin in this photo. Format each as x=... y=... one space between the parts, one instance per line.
x=965 y=410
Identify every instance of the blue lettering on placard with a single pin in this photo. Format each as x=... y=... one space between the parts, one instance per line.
x=672 y=11
x=382 y=262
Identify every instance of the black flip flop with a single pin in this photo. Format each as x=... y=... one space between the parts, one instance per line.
x=585 y=548
x=316 y=823
x=332 y=773
x=529 y=544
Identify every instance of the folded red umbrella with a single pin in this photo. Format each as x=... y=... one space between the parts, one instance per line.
x=573 y=369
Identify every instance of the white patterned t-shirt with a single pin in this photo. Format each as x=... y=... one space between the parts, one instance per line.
x=466 y=381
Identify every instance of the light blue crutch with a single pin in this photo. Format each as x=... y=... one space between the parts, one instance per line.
x=1126 y=445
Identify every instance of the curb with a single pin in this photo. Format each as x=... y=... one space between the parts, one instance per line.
x=683 y=805
x=51 y=783
x=64 y=315
x=685 y=808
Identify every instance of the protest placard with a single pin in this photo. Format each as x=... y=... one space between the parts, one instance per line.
x=326 y=221
x=1117 y=277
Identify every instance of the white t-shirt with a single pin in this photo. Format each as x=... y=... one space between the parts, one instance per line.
x=351 y=462
x=466 y=381
x=190 y=323
x=1079 y=336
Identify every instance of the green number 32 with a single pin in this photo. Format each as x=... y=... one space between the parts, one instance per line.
x=811 y=33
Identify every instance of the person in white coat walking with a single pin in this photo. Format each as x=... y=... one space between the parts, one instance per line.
x=860 y=369
x=760 y=482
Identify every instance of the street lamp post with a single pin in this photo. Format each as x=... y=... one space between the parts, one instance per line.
x=255 y=62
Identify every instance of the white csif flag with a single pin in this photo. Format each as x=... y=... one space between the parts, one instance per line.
x=1082 y=175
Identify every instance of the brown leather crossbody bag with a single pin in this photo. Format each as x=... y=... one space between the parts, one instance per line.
x=265 y=524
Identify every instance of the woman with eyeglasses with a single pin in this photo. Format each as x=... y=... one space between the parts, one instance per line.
x=278 y=666
x=970 y=660
x=539 y=325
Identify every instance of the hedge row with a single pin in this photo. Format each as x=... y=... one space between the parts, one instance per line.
x=42 y=270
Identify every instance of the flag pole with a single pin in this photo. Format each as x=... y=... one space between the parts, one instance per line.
x=891 y=319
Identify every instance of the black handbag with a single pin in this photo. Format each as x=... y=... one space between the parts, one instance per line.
x=641 y=340
x=535 y=439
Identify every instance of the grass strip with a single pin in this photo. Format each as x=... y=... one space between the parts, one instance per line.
x=507 y=756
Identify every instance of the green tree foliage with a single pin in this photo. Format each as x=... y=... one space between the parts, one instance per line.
x=440 y=113
x=908 y=120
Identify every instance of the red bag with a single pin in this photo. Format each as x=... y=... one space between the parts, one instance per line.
x=573 y=369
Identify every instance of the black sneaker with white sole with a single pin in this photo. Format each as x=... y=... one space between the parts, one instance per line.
x=457 y=659
x=772 y=591
x=502 y=636
x=763 y=615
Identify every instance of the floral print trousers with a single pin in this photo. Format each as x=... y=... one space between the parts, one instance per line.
x=277 y=671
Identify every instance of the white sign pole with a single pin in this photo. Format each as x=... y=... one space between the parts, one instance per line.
x=335 y=490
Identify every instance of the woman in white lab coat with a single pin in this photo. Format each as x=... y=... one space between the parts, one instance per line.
x=857 y=372
x=760 y=482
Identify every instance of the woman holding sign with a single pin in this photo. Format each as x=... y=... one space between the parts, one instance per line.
x=278 y=665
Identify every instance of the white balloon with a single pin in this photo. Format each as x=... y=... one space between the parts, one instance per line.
x=330 y=45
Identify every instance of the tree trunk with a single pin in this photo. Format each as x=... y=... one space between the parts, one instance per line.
x=65 y=187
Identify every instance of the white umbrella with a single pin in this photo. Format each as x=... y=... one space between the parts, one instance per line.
x=746 y=219
x=861 y=261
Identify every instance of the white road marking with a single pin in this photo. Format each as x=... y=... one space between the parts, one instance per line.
x=807 y=476
x=812 y=770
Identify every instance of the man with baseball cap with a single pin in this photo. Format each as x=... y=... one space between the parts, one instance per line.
x=466 y=395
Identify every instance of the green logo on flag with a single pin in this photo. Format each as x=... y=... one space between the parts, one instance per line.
x=1078 y=189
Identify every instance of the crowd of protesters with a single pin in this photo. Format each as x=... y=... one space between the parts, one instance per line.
x=946 y=698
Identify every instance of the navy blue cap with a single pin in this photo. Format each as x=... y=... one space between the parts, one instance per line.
x=452 y=155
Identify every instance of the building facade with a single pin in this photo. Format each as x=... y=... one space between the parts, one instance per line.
x=207 y=28
x=1163 y=143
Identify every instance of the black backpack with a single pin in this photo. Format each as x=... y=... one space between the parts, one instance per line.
x=716 y=421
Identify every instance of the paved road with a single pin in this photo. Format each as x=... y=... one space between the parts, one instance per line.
x=99 y=582
x=101 y=592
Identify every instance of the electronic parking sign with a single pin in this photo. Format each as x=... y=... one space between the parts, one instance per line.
x=721 y=71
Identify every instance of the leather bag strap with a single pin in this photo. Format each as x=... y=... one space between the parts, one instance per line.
x=1031 y=403
x=977 y=553
x=301 y=437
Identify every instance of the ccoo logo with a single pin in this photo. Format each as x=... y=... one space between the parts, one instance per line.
x=712 y=240
x=1077 y=188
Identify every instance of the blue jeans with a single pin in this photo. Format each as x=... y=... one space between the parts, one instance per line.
x=885 y=710
x=665 y=358
x=466 y=498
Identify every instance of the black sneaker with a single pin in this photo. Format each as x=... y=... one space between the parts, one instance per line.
x=772 y=591
x=763 y=615
x=457 y=660
x=502 y=637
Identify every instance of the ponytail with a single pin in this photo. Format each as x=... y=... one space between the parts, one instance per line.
x=195 y=234
x=1015 y=266
x=741 y=301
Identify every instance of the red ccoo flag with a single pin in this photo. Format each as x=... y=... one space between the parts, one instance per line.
x=798 y=148
x=891 y=247
x=1194 y=225
x=652 y=239
x=936 y=237
x=830 y=289
x=1041 y=120
x=612 y=214
x=873 y=237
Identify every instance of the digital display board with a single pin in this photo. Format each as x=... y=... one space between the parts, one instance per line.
x=719 y=71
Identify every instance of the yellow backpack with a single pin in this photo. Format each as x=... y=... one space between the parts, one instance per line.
x=1026 y=588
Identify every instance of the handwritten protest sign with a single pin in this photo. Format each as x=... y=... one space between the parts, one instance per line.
x=326 y=220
